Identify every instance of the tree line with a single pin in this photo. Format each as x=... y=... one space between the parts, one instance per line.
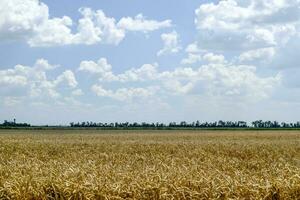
x=159 y=125
x=13 y=123
x=196 y=124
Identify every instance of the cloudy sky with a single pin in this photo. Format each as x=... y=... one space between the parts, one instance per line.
x=97 y=60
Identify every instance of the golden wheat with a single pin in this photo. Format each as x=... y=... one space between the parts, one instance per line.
x=90 y=164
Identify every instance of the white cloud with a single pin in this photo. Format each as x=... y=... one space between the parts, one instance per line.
x=241 y=80
x=18 y=18
x=95 y=26
x=246 y=25
x=124 y=94
x=221 y=80
x=191 y=59
x=33 y=82
x=140 y=23
x=217 y=77
x=43 y=65
x=193 y=48
x=68 y=77
x=9 y=78
x=77 y=92
x=29 y=20
x=88 y=32
x=177 y=87
x=21 y=75
x=171 y=43
x=101 y=67
x=265 y=54
x=53 y=32
x=251 y=32
x=145 y=72
x=194 y=54
x=213 y=58
x=103 y=70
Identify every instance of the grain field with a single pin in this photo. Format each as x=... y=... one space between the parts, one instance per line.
x=91 y=164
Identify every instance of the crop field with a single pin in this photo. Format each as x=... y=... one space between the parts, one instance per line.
x=91 y=164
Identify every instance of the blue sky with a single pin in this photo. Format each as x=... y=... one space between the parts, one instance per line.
x=144 y=61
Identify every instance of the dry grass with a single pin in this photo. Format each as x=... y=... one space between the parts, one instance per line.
x=149 y=165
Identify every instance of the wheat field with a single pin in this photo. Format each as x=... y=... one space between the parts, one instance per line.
x=91 y=164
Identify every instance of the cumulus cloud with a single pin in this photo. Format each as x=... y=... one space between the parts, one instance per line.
x=194 y=54
x=238 y=80
x=95 y=27
x=232 y=37
x=264 y=34
x=19 y=18
x=10 y=78
x=33 y=82
x=21 y=75
x=43 y=65
x=145 y=72
x=103 y=70
x=124 y=94
x=246 y=25
x=221 y=80
x=29 y=20
x=177 y=87
x=77 y=92
x=265 y=54
x=53 y=32
x=171 y=43
x=68 y=77
x=193 y=48
x=213 y=58
x=101 y=67
x=191 y=59
x=140 y=23
x=217 y=77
